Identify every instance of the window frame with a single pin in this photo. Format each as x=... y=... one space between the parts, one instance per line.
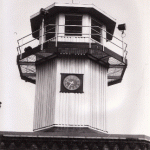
x=50 y=26
x=73 y=27
x=62 y=87
x=97 y=38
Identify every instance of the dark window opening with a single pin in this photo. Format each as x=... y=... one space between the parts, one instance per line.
x=96 y=31
x=50 y=29
x=73 y=25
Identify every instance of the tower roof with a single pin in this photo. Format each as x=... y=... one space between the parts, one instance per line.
x=91 y=9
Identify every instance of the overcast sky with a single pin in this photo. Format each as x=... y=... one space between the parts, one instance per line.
x=128 y=103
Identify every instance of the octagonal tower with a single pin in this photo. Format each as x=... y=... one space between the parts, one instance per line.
x=71 y=58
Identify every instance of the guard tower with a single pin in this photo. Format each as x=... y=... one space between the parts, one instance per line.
x=71 y=56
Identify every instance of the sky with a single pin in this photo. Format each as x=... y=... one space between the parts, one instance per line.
x=128 y=103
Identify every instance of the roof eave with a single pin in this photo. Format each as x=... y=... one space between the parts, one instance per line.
x=91 y=9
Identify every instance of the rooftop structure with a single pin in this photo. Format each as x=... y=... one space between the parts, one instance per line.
x=91 y=37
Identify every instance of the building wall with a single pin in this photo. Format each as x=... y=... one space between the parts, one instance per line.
x=70 y=109
x=45 y=94
x=53 y=107
x=79 y=109
x=30 y=141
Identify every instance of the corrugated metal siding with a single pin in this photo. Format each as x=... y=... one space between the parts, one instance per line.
x=87 y=108
x=77 y=109
x=45 y=94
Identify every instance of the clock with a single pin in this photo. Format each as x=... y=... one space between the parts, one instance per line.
x=71 y=83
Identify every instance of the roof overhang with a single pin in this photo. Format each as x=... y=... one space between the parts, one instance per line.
x=91 y=9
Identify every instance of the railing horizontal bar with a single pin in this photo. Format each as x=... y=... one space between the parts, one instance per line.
x=81 y=35
x=114 y=77
x=28 y=35
x=72 y=33
x=78 y=26
x=27 y=43
x=29 y=74
x=27 y=63
x=50 y=25
x=116 y=45
x=116 y=66
x=35 y=31
x=94 y=26
x=24 y=37
x=51 y=29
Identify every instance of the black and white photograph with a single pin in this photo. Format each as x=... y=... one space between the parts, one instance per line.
x=75 y=75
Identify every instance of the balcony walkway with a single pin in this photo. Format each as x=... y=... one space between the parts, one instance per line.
x=27 y=60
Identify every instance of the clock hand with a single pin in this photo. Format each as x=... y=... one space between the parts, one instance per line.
x=70 y=83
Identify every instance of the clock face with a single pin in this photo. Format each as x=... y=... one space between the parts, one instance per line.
x=71 y=82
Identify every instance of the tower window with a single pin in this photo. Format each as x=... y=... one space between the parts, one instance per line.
x=73 y=25
x=50 y=28
x=96 y=30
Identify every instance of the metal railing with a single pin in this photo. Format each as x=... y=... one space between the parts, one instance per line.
x=56 y=33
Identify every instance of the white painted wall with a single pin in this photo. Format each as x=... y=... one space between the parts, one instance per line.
x=87 y=108
x=70 y=109
x=45 y=94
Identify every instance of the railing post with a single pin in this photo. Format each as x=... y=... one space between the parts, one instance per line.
x=124 y=50
x=90 y=28
x=42 y=33
x=56 y=35
x=103 y=36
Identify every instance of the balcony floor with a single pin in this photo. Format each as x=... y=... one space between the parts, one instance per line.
x=115 y=63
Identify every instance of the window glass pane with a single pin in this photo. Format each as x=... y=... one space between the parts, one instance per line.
x=73 y=25
x=96 y=31
x=50 y=29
